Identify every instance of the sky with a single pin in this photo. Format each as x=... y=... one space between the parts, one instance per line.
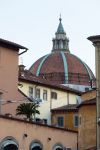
x=33 y=23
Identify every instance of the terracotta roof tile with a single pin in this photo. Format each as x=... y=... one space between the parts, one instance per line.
x=70 y=107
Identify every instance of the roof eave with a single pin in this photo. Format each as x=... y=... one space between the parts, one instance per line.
x=48 y=85
x=15 y=46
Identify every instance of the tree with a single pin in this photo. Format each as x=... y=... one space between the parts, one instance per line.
x=28 y=110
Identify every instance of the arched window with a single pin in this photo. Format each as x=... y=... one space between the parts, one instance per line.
x=36 y=145
x=9 y=143
x=58 y=146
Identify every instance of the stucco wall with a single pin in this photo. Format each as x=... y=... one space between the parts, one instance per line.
x=8 y=73
x=89 y=95
x=68 y=119
x=87 y=128
x=63 y=98
x=17 y=129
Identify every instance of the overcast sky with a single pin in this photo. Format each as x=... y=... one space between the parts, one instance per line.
x=33 y=23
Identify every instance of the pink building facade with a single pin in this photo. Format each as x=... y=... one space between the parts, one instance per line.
x=23 y=135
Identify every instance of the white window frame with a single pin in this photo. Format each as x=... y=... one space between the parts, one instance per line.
x=30 y=93
x=45 y=95
x=37 y=96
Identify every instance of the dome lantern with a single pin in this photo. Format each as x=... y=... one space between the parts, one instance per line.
x=60 y=42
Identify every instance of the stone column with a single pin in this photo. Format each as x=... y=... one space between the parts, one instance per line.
x=96 y=42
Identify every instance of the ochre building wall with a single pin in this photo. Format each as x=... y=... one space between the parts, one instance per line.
x=87 y=127
x=68 y=119
x=89 y=95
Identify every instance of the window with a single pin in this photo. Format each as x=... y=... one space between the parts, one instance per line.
x=38 y=120
x=76 y=121
x=86 y=88
x=44 y=94
x=37 y=93
x=30 y=92
x=80 y=120
x=45 y=121
x=53 y=95
x=60 y=121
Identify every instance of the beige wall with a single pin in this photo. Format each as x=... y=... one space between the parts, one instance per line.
x=17 y=129
x=63 y=98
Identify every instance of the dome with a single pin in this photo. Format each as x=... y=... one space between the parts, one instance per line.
x=63 y=68
x=60 y=66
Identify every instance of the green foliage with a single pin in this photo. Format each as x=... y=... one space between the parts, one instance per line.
x=28 y=110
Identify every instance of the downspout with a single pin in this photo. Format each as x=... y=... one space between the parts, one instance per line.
x=23 y=52
x=50 y=106
x=35 y=100
x=67 y=98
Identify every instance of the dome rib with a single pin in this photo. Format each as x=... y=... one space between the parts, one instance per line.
x=86 y=67
x=65 y=66
x=88 y=71
x=40 y=65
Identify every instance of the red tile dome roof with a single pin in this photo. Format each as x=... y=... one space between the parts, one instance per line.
x=63 y=67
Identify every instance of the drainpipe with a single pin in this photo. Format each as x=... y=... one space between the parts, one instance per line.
x=23 y=51
x=68 y=98
x=96 y=42
x=50 y=107
x=35 y=101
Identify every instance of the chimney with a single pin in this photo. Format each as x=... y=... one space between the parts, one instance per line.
x=21 y=70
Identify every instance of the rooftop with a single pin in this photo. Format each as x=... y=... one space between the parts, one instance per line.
x=9 y=44
x=28 y=77
x=68 y=108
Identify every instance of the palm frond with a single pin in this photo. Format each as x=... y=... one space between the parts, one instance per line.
x=27 y=109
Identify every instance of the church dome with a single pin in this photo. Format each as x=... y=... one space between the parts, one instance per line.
x=60 y=66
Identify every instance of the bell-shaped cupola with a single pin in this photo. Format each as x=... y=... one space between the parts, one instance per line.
x=60 y=42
